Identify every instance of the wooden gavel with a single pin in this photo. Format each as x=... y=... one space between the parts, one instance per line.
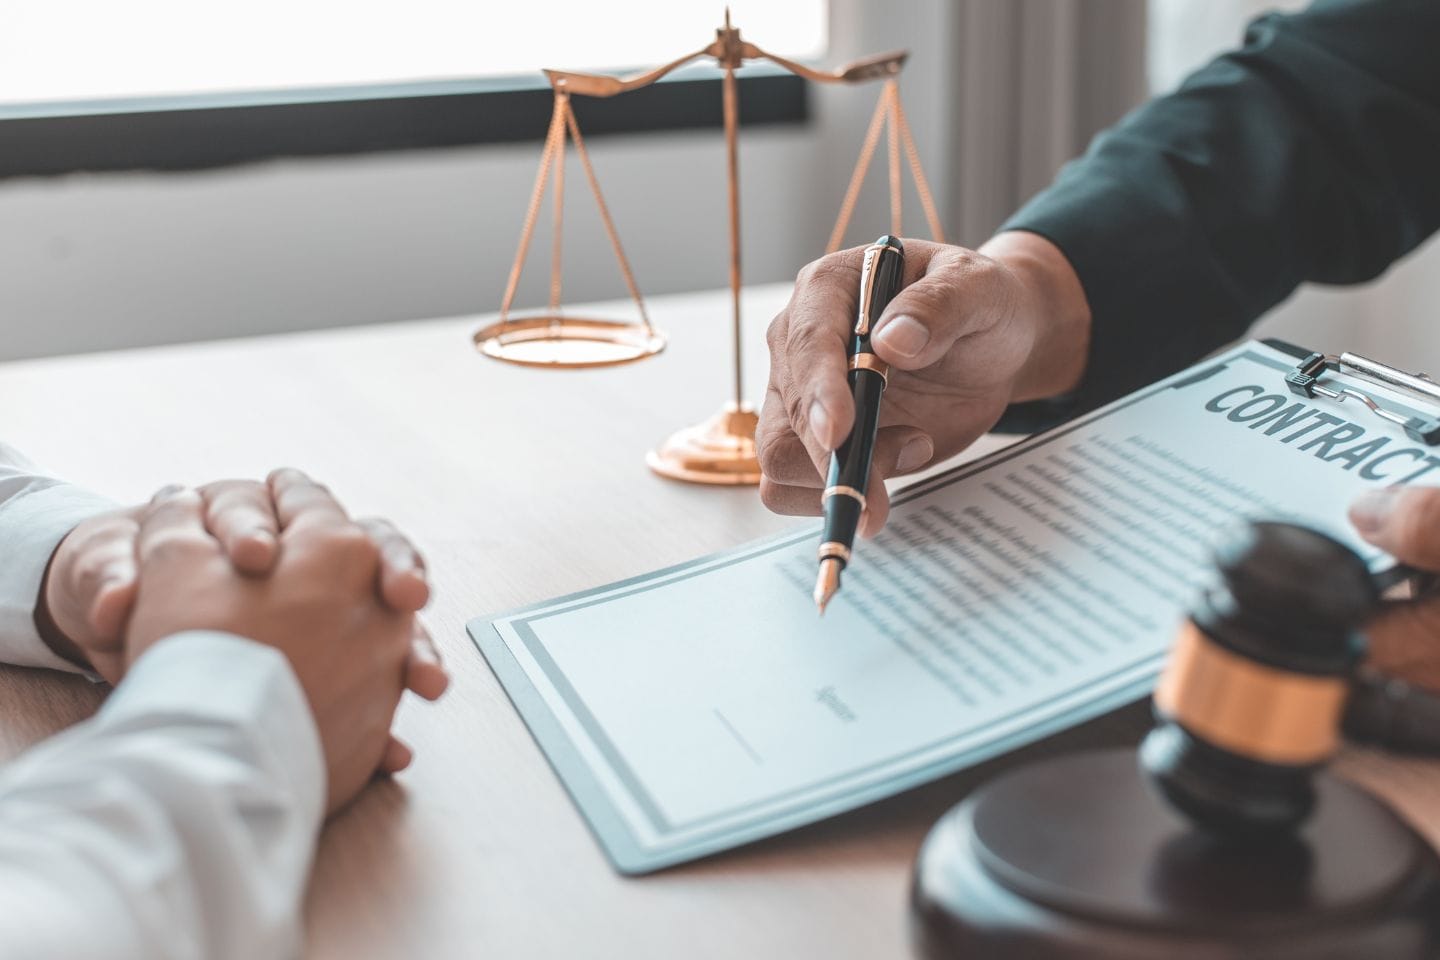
x=1255 y=850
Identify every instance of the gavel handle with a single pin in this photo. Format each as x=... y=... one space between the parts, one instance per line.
x=1388 y=712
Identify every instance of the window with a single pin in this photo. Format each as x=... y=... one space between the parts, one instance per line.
x=91 y=50
x=179 y=84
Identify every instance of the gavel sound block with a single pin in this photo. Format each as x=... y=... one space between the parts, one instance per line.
x=1224 y=837
x=1079 y=857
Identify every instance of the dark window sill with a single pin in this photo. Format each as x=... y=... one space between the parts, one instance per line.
x=201 y=132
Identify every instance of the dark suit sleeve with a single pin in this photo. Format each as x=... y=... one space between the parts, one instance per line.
x=1311 y=154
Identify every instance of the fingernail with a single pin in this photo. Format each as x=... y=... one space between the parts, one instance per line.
x=820 y=424
x=399 y=559
x=1371 y=509
x=903 y=336
x=167 y=492
x=915 y=454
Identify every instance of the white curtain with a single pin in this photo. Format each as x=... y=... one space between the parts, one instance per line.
x=999 y=93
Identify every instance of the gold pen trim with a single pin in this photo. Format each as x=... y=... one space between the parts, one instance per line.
x=1250 y=708
x=867 y=291
x=833 y=549
x=843 y=491
x=868 y=361
x=867 y=285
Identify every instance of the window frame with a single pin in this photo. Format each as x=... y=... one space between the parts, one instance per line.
x=207 y=131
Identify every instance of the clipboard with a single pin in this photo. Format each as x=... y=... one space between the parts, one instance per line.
x=1309 y=380
x=651 y=730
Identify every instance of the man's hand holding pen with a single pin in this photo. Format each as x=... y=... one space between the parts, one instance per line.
x=971 y=332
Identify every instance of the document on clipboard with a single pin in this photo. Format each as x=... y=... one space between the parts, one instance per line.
x=705 y=706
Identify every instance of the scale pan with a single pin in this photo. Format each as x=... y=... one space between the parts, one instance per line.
x=564 y=342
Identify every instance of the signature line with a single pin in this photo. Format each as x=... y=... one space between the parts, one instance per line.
x=738 y=739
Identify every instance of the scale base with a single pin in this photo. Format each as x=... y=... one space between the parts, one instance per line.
x=558 y=341
x=719 y=451
x=1077 y=857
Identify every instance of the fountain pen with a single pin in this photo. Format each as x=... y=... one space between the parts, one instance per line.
x=882 y=272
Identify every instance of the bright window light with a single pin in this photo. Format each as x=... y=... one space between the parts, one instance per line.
x=56 y=50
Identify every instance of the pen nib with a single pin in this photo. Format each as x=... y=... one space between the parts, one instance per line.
x=827 y=583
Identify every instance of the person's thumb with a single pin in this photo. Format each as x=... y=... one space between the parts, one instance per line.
x=1402 y=521
x=925 y=319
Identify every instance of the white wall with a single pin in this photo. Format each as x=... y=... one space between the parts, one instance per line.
x=104 y=260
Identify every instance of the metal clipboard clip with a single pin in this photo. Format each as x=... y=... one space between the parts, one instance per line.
x=1305 y=380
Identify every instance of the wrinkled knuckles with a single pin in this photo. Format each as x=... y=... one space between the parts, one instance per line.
x=786 y=462
x=765 y=448
x=807 y=343
x=841 y=267
x=771 y=494
x=796 y=412
x=988 y=282
x=778 y=333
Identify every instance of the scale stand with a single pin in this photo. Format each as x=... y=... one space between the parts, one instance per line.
x=553 y=339
x=720 y=450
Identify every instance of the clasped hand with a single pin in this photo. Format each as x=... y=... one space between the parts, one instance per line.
x=280 y=563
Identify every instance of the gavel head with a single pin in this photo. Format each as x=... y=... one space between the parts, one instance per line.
x=1250 y=704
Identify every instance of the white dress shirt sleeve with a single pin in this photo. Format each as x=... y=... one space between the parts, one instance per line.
x=36 y=512
x=177 y=823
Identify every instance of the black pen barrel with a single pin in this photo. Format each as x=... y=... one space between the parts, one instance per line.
x=882 y=274
x=850 y=466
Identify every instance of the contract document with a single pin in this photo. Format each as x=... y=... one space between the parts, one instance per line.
x=706 y=705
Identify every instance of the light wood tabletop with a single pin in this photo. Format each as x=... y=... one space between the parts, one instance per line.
x=519 y=485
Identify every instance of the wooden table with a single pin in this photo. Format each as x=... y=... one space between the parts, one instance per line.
x=519 y=485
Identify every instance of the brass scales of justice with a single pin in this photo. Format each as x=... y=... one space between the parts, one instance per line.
x=720 y=450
